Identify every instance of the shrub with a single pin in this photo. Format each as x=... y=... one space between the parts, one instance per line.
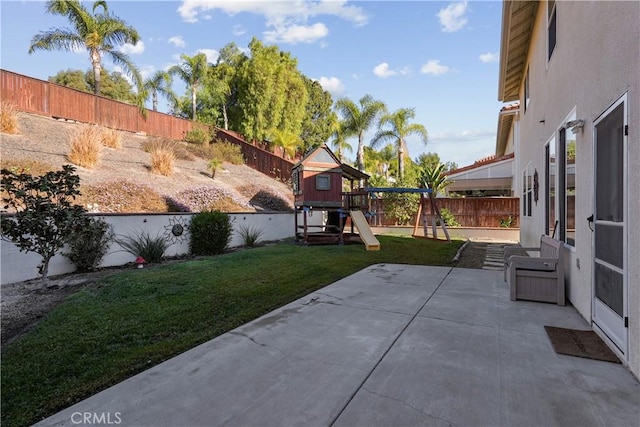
x=89 y=244
x=227 y=152
x=250 y=235
x=85 y=146
x=162 y=161
x=197 y=136
x=210 y=233
x=8 y=118
x=111 y=138
x=506 y=222
x=45 y=215
x=448 y=218
x=123 y=196
x=141 y=243
x=213 y=165
x=179 y=151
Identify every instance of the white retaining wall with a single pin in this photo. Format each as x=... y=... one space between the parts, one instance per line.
x=18 y=266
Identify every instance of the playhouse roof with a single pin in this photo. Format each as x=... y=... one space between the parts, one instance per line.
x=323 y=155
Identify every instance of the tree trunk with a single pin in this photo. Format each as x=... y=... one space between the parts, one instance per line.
x=44 y=271
x=97 y=70
x=434 y=227
x=155 y=100
x=360 y=155
x=226 y=118
x=400 y=159
x=193 y=102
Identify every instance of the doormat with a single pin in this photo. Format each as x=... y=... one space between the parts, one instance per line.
x=586 y=344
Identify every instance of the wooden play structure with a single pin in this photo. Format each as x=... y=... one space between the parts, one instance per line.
x=318 y=182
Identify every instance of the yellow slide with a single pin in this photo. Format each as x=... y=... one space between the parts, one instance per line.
x=369 y=240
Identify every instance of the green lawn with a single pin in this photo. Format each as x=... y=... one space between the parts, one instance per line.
x=135 y=319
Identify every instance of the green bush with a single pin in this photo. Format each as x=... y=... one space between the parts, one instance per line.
x=227 y=152
x=89 y=244
x=143 y=244
x=210 y=233
x=448 y=218
x=197 y=136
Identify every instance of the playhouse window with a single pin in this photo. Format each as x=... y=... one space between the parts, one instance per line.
x=323 y=182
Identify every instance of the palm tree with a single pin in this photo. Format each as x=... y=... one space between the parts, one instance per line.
x=357 y=120
x=338 y=142
x=289 y=142
x=160 y=82
x=98 y=33
x=397 y=132
x=192 y=71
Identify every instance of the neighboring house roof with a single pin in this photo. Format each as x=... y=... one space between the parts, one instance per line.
x=505 y=122
x=518 y=18
x=490 y=173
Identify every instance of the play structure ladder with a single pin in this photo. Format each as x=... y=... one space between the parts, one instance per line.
x=369 y=240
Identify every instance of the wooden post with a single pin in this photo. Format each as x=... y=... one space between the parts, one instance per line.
x=415 y=227
x=306 y=238
x=295 y=222
x=434 y=228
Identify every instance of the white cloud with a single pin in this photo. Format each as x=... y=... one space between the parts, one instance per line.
x=146 y=71
x=131 y=49
x=211 y=54
x=489 y=57
x=238 y=30
x=333 y=85
x=383 y=70
x=288 y=21
x=177 y=41
x=452 y=18
x=434 y=67
x=297 y=34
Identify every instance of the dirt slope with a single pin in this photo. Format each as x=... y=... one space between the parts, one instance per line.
x=46 y=140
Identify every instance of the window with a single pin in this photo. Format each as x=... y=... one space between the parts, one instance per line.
x=527 y=191
x=550 y=188
x=527 y=92
x=567 y=186
x=551 y=26
x=323 y=182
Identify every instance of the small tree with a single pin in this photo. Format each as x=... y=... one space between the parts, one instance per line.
x=45 y=218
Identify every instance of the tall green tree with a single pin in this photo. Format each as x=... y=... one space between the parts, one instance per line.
x=97 y=32
x=73 y=79
x=159 y=83
x=317 y=125
x=271 y=93
x=193 y=72
x=224 y=75
x=395 y=127
x=356 y=120
x=113 y=86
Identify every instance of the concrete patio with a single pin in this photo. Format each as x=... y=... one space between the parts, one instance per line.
x=392 y=345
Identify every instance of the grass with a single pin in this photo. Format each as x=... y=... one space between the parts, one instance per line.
x=85 y=146
x=162 y=161
x=224 y=151
x=8 y=118
x=111 y=138
x=135 y=319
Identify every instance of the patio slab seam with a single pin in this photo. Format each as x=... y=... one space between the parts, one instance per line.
x=384 y=354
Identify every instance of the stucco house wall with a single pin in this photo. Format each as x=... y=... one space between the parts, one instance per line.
x=595 y=62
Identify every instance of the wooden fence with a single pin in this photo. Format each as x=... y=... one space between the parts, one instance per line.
x=53 y=100
x=259 y=158
x=468 y=211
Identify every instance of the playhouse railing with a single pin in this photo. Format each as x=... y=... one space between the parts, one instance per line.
x=355 y=200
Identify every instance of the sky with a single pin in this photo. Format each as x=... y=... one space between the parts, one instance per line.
x=440 y=58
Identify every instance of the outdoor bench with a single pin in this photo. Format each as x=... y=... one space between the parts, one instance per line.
x=536 y=278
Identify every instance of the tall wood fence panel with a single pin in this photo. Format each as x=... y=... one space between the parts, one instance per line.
x=26 y=94
x=71 y=104
x=483 y=212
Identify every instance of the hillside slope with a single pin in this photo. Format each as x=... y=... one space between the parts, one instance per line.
x=236 y=187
